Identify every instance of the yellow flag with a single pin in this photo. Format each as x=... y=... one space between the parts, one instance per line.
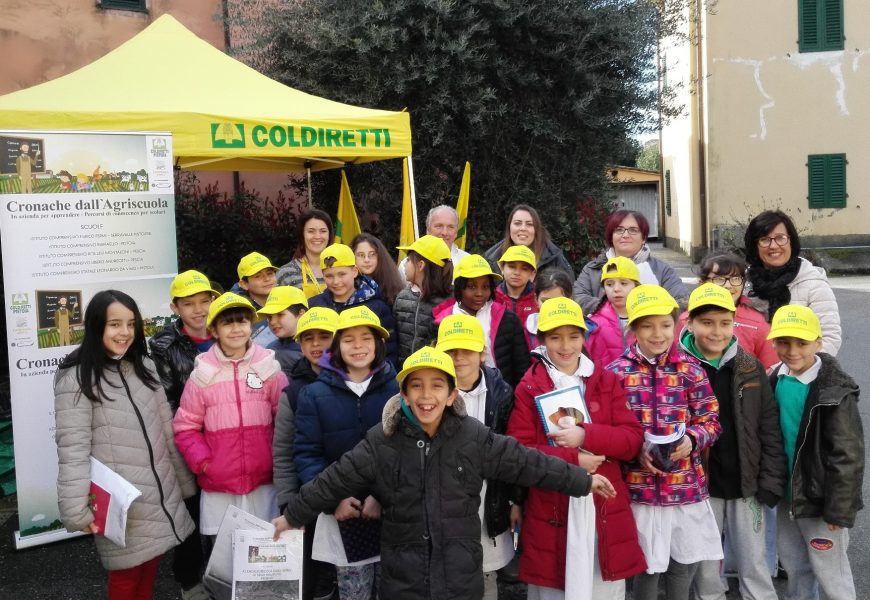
x=346 y=222
x=406 y=230
x=462 y=206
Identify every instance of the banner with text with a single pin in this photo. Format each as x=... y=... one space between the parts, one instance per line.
x=79 y=213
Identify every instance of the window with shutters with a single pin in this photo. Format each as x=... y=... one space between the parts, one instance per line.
x=668 y=192
x=827 y=180
x=137 y=5
x=820 y=25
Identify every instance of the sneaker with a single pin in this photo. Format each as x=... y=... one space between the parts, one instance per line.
x=197 y=592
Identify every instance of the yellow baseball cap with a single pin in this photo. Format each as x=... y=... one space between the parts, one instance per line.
x=341 y=255
x=360 y=316
x=793 y=320
x=190 y=283
x=557 y=312
x=620 y=267
x=252 y=264
x=430 y=247
x=318 y=317
x=460 y=332
x=281 y=298
x=710 y=294
x=473 y=265
x=519 y=254
x=427 y=358
x=647 y=299
x=226 y=301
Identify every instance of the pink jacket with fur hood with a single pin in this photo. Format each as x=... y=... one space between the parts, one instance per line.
x=225 y=421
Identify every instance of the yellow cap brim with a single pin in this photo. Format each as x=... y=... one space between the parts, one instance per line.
x=556 y=323
x=793 y=332
x=460 y=344
x=652 y=311
x=405 y=372
x=227 y=307
x=478 y=273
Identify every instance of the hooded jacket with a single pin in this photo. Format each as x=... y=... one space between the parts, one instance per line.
x=588 y=290
x=429 y=490
x=522 y=307
x=331 y=419
x=173 y=353
x=673 y=390
x=551 y=256
x=828 y=470
x=606 y=342
x=755 y=414
x=224 y=426
x=751 y=329
x=413 y=322
x=613 y=431
x=367 y=293
x=131 y=433
x=506 y=339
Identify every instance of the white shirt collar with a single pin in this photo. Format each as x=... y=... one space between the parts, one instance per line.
x=807 y=377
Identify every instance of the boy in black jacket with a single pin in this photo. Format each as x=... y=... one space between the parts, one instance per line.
x=746 y=466
x=426 y=466
x=824 y=442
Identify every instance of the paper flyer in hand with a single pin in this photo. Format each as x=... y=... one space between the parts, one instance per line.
x=563 y=408
x=264 y=568
x=220 y=564
x=660 y=447
x=109 y=499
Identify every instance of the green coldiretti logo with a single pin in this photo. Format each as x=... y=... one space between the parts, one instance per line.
x=227 y=135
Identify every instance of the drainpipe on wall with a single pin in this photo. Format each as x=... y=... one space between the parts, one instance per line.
x=662 y=214
x=702 y=142
x=228 y=42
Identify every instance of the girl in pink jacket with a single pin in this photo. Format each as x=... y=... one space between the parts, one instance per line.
x=610 y=335
x=224 y=423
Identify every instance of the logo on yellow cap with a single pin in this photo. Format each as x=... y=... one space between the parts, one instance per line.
x=253 y=263
x=320 y=318
x=361 y=316
x=226 y=301
x=281 y=298
x=646 y=300
x=710 y=294
x=557 y=312
x=793 y=320
x=460 y=332
x=427 y=358
x=473 y=265
x=190 y=283
x=430 y=247
x=519 y=254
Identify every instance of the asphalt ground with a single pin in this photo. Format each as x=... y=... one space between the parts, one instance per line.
x=70 y=570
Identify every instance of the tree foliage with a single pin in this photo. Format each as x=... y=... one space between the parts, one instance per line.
x=540 y=95
x=649 y=158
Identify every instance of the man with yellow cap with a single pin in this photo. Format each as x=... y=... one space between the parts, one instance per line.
x=427 y=463
x=671 y=397
x=824 y=445
x=561 y=562
x=746 y=465
x=489 y=399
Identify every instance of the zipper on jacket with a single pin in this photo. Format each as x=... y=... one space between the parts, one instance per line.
x=655 y=413
x=239 y=408
x=150 y=456
x=424 y=452
x=797 y=455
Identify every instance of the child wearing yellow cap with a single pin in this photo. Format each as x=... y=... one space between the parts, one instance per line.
x=489 y=399
x=558 y=532
x=746 y=465
x=672 y=398
x=824 y=444
x=517 y=291
x=282 y=310
x=429 y=274
x=474 y=285
x=427 y=463
x=346 y=288
x=611 y=335
x=332 y=416
x=224 y=424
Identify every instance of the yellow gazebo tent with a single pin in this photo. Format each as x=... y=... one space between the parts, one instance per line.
x=223 y=115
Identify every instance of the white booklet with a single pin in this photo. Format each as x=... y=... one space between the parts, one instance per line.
x=563 y=408
x=220 y=564
x=109 y=499
x=264 y=568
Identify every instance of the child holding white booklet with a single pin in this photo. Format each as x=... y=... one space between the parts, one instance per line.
x=572 y=548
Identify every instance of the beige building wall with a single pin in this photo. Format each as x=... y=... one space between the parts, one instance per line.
x=767 y=108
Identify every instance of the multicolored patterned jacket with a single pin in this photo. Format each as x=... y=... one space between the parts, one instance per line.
x=674 y=390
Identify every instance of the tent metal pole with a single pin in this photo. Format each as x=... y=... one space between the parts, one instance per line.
x=308 y=171
x=413 y=197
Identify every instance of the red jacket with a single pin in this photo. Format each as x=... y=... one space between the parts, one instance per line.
x=522 y=307
x=614 y=432
x=751 y=329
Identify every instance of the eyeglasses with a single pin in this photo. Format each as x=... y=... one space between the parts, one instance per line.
x=629 y=230
x=780 y=239
x=733 y=280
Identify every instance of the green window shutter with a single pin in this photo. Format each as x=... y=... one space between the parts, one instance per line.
x=820 y=25
x=668 y=192
x=826 y=180
x=137 y=5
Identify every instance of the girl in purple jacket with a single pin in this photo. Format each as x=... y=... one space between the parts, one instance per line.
x=225 y=422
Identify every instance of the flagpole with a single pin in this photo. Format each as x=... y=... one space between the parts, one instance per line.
x=413 y=197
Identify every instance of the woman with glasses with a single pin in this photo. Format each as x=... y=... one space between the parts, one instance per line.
x=728 y=270
x=778 y=276
x=625 y=232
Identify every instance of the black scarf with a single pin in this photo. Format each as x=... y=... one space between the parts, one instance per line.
x=772 y=284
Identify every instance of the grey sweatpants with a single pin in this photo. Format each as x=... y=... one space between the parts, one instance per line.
x=744 y=521
x=811 y=554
